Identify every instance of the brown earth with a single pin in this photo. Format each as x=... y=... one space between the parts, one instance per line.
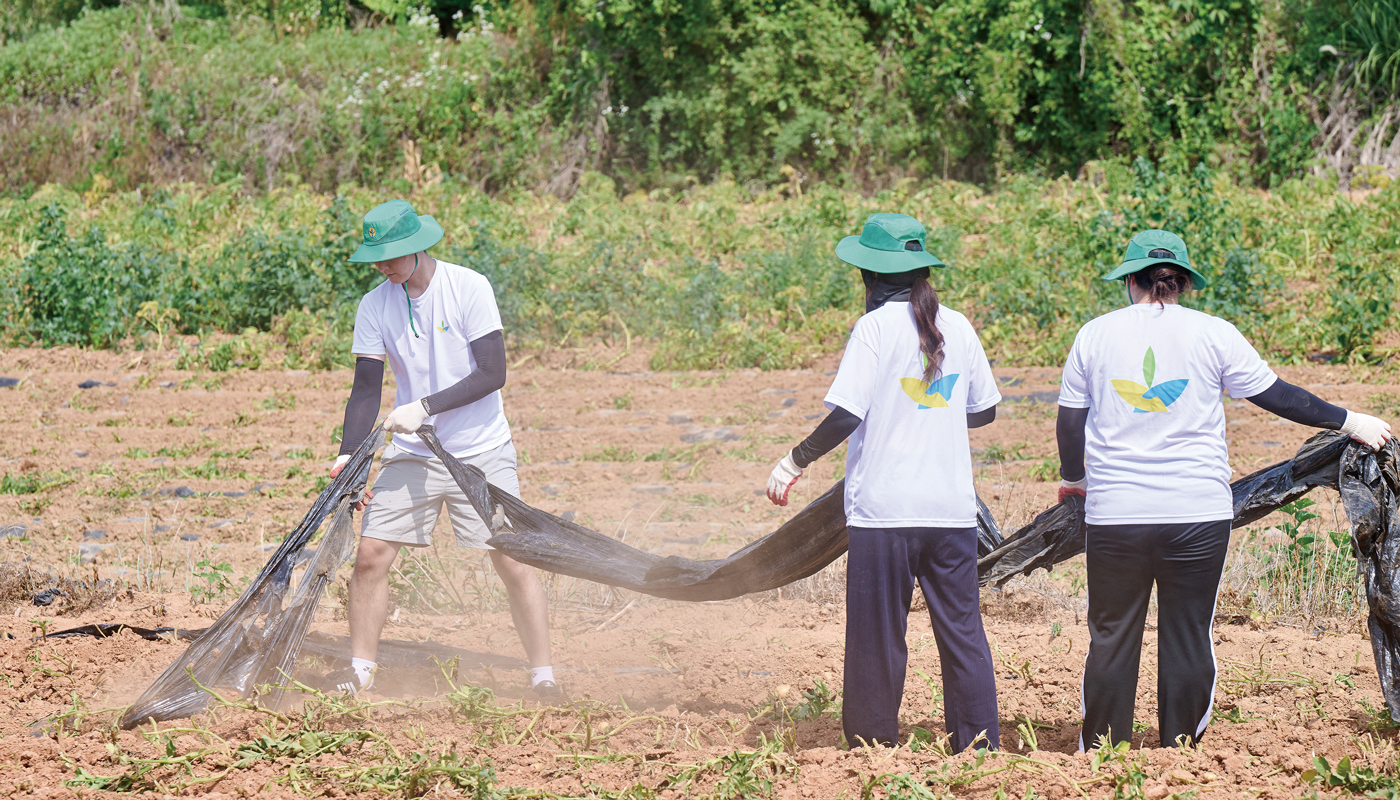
x=662 y=693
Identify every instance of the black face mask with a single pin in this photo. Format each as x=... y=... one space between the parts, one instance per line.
x=889 y=288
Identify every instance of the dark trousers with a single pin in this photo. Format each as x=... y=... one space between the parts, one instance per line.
x=882 y=567
x=1185 y=560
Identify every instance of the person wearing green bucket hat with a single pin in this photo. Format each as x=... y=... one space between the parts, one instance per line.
x=1150 y=462
x=438 y=325
x=912 y=381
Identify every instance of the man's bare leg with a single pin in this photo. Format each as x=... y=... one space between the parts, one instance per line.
x=369 y=596
x=528 y=608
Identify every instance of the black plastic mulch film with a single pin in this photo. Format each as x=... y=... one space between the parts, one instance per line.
x=255 y=644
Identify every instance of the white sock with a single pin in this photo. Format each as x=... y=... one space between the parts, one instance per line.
x=364 y=668
x=538 y=674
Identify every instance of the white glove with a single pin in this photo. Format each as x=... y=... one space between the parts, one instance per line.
x=340 y=462
x=407 y=418
x=1366 y=429
x=1079 y=487
x=783 y=477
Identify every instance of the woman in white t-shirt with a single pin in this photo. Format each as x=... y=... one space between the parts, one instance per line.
x=912 y=381
x=1141 y=434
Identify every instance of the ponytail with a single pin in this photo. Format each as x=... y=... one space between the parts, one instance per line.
x=1163 y=283
x=923 y=302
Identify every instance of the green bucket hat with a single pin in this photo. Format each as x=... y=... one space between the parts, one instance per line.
x=394 y=229
x=888 y=243
x=1152 y=247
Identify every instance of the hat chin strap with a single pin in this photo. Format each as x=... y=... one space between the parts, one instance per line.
x=408 y=299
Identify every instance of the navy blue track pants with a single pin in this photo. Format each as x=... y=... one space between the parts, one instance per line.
x=1185 y=560
x=882 y=567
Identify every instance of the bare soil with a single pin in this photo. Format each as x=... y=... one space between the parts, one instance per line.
x=160 y=477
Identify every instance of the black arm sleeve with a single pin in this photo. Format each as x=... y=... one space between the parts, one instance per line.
x=1069 y=432
x=984 y=417
x=489 y=376
x=1299 y=405
x=832 y=431
x=363 y=407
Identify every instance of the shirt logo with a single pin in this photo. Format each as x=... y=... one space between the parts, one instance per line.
x=1149 y=398
x=929 y=395
x=442 y=327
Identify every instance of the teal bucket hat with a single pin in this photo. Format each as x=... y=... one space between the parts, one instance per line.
x=888 y=243
x=1152 y=247
x=394 y=229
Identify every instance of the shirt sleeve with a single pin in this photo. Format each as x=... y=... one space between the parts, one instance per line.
x=1074 y=382
x=1243 y=373
x=480 y=315
x=368 y=339
x=982 y=392
x=855 y=378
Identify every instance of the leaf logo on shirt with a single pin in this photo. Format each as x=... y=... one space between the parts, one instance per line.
x=929 y=395
x=442 y=327
x=1149 y=398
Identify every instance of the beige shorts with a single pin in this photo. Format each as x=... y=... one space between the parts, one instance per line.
x=410 y=492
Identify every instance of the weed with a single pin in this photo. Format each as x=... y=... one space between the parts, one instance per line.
x=215 y=579
x=33 y=482
x=1047 y=470
x=996 y=453
x=1356 y=780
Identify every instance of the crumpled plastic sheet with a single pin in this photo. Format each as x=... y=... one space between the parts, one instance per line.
x=257 y=640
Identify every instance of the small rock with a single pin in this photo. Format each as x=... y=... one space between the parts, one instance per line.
x=553 y=489
x=652 y=488
x=1033 y=397
x=168 y=385
x=162 y=528
x=80 y=453
x=8 y=382
x=234 y=494
x=678 y=418
x=189 y=537
x=813 y=416
x=89 y=551
x=16 y=531
x=725 y=434
x=94 y=535
x=789 y=402
x=179 y=491
x=1155 y=790
x=568 y=516
x=91 y=384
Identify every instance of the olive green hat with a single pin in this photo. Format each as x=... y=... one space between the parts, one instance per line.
x=394 y=229
x=1152 y=247
x=888 y=243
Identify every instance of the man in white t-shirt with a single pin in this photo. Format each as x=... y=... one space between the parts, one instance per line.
x=438 y=325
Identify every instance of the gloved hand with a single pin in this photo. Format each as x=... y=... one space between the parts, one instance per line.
x=1078 y=487
x=783 y=477
x=1368 y=430
x=339 y=465
x=407 y=418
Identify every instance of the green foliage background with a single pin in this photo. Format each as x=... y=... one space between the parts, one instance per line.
x=657 y=92
x=678 y=170
x=714 y=277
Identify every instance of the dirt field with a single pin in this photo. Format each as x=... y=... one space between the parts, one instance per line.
x=175 y=487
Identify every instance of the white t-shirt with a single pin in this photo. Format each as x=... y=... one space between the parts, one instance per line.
x=457 y=308
x=909 y=463
x=1155 y=446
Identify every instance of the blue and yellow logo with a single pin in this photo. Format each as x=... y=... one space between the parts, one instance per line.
x=929 y=395
x=442 y=327
x=1150 y=398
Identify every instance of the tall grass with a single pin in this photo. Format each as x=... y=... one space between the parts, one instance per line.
x=716 y=276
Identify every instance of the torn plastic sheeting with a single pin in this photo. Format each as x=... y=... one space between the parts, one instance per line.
x=799 y=548
x=257 y=640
